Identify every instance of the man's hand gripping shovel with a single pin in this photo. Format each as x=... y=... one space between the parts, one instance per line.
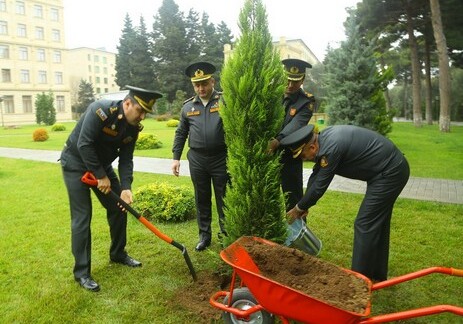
x=89 y=179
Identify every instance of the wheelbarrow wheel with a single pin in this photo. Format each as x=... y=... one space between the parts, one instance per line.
x=243 y=299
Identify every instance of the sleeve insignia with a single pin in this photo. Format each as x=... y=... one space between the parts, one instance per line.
x=100 y=113
x=323 y=161
x=113 y=109
x=127 y=140
x=292 y=111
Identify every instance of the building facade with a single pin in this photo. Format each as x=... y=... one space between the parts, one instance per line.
x=34 y=60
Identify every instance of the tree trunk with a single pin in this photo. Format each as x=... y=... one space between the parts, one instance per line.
x=428 y=89
x=444 y=73
x=416 y=72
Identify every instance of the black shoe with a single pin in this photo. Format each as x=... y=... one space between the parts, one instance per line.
x=202 y=244
x=88 y=283
x=128 y=261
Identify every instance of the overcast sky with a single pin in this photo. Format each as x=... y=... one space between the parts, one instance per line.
x=98 y=23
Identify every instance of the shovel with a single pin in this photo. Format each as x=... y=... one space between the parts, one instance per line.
x=89 y=179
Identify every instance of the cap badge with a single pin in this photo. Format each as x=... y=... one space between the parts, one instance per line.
x=199 y=73
x=294 y=69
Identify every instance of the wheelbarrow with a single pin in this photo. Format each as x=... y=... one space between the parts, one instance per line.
x=260 y=299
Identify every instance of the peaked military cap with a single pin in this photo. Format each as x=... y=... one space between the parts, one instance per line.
x=296 y=140
x=295 y=68
x=200 y=71
x=145 y=98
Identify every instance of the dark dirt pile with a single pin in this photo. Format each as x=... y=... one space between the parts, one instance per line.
x=312 y=276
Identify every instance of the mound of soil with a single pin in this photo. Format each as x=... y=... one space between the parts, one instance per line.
x=290 y=267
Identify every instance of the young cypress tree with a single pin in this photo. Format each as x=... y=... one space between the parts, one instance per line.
x=253 y=84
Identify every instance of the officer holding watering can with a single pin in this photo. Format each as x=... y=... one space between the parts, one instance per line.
x=356 y=153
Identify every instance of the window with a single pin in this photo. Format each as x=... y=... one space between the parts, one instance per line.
x=8 y=105
x=98 y=90
x=97 y=69
x=23 y=53
x=25 y=76
x=104 y=60
x=54 y=14
x=96 y=58
x=4 y=52
x=38 y=11
x=57 y=57
x=3 y=27
x=40 y=55
x=21 y=30
x=2 y=5
x=55 y=35
x=6 y=75
x=60 y=104
x=89 y=68
x=58 y=77
x=42 y=77
x=39 y=33
x=105 y=80
x=97 y=80
x=105 y=70
x=20 y=8
x=27 y=104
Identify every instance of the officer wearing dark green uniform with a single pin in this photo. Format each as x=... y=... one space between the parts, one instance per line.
x=299 y=107
x=200 y=122
x=106 y=131
x=356 y=153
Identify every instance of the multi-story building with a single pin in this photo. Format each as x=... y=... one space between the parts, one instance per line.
x=32 y=59
x=96 y=66
x=291 y=48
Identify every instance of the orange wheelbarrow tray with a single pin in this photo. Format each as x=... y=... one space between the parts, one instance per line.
x=290 y=304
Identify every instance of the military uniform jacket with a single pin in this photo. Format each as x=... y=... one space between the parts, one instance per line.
x=102 y=135
x=298 y=111
x=201 y=125
x=352 y=152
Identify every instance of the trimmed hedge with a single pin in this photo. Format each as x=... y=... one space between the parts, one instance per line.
x=165 y=202
x=147 y=142
x=40 y=135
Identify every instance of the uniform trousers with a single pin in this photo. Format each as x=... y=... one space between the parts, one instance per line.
x=291 y=179
x=370 y=255
x=206 y=168
x=81 y=215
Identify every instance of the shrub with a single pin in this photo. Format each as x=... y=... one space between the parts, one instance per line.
x=162 y=118
x=172 y=123
x=147 y=141
x=40 y=135
x=58 y=128
x=165 y=202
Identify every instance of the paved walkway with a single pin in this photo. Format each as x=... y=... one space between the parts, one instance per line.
x=440 y=190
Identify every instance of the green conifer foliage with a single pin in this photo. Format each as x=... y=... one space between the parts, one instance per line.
x=253 y=84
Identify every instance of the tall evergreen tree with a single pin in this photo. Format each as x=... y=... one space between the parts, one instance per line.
x=141 y=60
x=253 y=83
x=44 y=111
x=353 y=84
x=170 y=49
x=193 y=37
x=85 y=97
x=124 y=53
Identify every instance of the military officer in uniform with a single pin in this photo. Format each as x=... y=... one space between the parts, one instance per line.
x=106 y=131
x=356 y=153
x=200 y=122
x=299 y=107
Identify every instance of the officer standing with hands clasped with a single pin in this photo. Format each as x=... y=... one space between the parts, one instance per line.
x=106 y=131
x=356 y=153
x=299 y=107
x=200 y=122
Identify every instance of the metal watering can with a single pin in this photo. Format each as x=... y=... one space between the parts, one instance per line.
x=302 y=238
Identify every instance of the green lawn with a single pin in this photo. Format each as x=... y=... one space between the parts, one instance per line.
x=36 y=282
x=431 y=154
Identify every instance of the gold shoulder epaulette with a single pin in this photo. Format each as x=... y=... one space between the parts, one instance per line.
x=308 y=94
x=189 y=99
